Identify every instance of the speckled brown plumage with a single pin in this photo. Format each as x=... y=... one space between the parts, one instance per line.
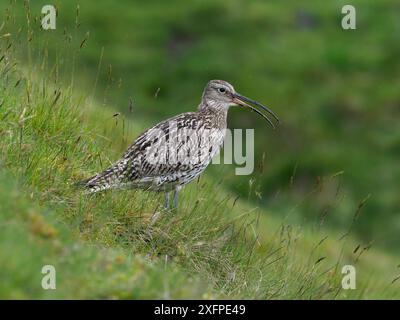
x=175 y=151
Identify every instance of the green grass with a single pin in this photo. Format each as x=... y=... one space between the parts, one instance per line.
x=120 y=244
x=336 y=91
x=33 y=236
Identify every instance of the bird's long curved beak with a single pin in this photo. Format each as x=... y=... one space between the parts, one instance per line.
x=243 y=101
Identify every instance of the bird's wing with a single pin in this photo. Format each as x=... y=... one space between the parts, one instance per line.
x=169 y=149
x=163 y=149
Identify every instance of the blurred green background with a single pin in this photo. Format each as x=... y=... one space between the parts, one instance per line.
x=336 y=154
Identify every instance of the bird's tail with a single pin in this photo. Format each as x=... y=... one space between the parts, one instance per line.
x=108 y=179
x=94 y=184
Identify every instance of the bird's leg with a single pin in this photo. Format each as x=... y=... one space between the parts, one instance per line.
x=176 y=198
x=166 y=202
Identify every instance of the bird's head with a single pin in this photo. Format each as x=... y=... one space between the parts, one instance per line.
x=221 y=94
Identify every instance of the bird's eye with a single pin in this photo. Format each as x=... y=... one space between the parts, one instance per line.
x=222 y=90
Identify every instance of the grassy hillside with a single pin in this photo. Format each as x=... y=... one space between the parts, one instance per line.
x=34 y=236
x=288 y=238
x=122 y=244
x=336 y=91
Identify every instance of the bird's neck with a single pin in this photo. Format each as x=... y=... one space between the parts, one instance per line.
x=216 y=112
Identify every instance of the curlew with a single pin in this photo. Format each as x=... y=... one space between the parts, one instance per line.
x=169 y=155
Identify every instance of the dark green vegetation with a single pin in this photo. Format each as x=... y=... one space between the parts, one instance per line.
x=331 y=166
